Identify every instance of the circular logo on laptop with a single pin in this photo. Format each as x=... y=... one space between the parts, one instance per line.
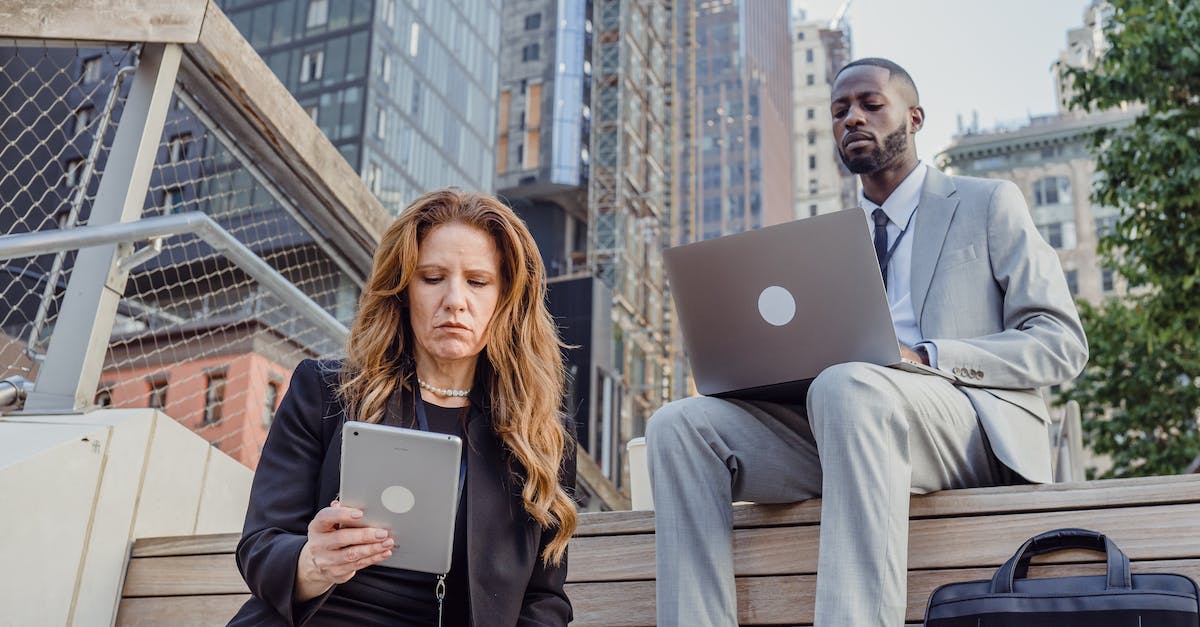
x=776 y=305
x=398 y=499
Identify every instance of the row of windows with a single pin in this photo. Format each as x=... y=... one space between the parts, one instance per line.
x=1107 y=281
x=214 y=397
x=280 y=23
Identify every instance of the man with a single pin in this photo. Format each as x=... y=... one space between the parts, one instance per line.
x=974 y=291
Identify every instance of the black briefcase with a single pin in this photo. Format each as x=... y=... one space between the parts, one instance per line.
x=1116 y=599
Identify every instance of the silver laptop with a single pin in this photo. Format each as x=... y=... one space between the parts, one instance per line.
x=764 y=312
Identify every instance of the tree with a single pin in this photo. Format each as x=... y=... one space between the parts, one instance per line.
x=1140 y=393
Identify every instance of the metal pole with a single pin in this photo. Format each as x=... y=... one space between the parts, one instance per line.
x=89 y=169
x=75 y=358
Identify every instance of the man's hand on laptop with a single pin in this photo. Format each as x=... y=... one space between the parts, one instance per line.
x=913 y=355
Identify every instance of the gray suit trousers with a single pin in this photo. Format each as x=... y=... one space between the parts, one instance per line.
x=868 y=437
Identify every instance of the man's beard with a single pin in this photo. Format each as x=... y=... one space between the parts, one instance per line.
x=893 y=145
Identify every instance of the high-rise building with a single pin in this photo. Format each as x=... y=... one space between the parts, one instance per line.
x=821 y=182
x=734 y=85
x=542 y=168
x=629 y=213
x=406 y=89
x=1051 y=160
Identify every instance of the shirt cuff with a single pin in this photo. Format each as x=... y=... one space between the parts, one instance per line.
x=931 y=351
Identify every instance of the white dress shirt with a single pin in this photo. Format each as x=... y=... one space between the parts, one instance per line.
x=900 y=207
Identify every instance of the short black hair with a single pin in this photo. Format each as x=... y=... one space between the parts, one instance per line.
x=892 y=67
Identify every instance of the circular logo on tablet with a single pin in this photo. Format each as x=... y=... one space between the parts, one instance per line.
x=398 y=499
x=776 y=305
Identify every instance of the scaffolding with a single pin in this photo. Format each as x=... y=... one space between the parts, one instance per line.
x=629 y=200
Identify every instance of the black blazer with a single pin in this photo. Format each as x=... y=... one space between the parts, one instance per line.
x=299 y=474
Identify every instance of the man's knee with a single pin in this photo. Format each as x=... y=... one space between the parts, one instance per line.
x=674 y=421
x=853 y=392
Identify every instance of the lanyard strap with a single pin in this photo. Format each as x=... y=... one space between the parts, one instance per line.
x=423 y=424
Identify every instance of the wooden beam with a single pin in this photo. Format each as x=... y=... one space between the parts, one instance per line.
x=111 y=21
x=975 y=501
x=788 y=599
x=199 y=611
x=228 y=79
x=1149 y=532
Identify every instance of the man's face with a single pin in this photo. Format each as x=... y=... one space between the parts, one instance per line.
x=873 y=117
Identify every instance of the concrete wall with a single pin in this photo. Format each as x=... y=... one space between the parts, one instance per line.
x=78 y=489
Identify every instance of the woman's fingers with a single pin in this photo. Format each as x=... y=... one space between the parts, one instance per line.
x=333 y=517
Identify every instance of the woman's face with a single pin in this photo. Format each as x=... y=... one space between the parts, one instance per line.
x=454 y=292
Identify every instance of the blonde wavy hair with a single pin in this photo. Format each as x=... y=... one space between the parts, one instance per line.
x=523 y=351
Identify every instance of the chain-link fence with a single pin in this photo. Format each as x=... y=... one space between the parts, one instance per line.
x=195 y=334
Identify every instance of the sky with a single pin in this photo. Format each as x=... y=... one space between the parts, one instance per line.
x=990 y=56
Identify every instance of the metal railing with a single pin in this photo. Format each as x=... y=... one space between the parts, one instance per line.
x=174 y=231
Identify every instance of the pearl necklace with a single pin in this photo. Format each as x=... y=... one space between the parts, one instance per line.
x=443 y=391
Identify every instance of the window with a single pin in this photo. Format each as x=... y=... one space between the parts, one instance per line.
x=172 y=200
x=385 y=67
x=380 y=123
x=158 y=394
x=270 y=402
x=318 y=13
x=1073 y=282
x=1106 y=280
x=812 y=210
x=808 y=55
x=83 y=117
x=387 y=10
x=374 y=177
x=502 y=118
x=812 y=138
x=811 y=113
x=533 y=22
x=1060 y=235
x=89 y=71
x=1052 y=190
x=312 y=66
x=177 y=147
x=214 y=397
x=502 y=154
x=533 y=140
x=1106 y=225
x=810 y=80
x=74 y=170
x=533 y=106
x=520 y=153
x=812 y=162
x=313 y=112
x=812 y=186
x=414 y=107
x=800 y=36
x=414 y=39
x=530 y=52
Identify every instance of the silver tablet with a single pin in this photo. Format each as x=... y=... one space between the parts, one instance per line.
x=405 y=481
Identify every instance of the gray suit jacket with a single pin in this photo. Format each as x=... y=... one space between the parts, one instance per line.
x=990 y=294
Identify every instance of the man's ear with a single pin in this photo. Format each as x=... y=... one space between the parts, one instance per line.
x=916 y=118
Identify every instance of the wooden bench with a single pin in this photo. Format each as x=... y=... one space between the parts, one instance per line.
x=955 y=535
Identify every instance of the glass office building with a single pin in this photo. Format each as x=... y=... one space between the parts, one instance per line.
x=406 y=89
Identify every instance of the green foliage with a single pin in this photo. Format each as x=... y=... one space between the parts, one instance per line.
x=1140 y=393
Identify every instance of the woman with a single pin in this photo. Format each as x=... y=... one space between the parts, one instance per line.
x=452 y=322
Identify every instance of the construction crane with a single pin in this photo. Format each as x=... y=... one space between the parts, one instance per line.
x=836 y=22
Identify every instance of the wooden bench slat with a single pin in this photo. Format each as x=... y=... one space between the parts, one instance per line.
x=183 y=575
x=1150 y=532
x=788 y=599
x=971 y=502
x=197 y=611
x=186 y=545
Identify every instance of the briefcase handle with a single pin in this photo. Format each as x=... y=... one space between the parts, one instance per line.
x=1017 y=566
